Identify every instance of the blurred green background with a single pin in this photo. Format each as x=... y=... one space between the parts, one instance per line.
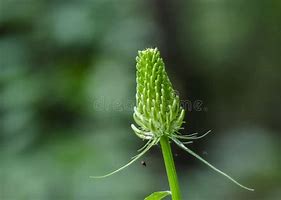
x=67 y=87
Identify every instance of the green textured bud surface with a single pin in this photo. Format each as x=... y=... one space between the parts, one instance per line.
x=157 y=111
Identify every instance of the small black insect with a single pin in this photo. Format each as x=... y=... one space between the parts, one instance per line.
x=143 y=163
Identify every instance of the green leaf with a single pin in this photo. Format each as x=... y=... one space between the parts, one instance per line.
x=158 y=195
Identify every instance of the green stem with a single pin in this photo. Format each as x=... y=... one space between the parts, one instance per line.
x=170 y=168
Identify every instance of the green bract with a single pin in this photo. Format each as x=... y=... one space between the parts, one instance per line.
x=157 y=111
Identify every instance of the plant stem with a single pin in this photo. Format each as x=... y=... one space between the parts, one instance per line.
x=170 y=168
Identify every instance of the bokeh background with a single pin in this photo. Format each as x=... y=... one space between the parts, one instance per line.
x=67 y=87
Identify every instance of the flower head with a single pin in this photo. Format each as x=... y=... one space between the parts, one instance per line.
x=157 y=111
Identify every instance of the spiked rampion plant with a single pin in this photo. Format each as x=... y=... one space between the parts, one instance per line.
x=159 y=117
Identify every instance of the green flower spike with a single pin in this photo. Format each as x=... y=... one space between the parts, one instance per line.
x=158 y=112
